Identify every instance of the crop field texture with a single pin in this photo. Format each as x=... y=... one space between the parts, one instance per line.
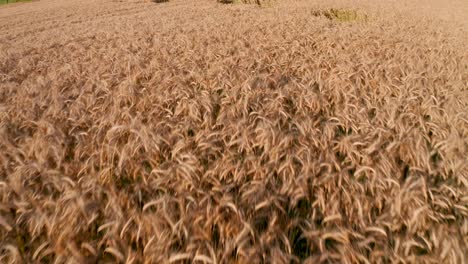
x=200 y=132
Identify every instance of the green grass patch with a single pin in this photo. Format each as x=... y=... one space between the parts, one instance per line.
x=2 y=2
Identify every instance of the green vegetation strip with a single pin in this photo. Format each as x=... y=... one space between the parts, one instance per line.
x=2 y=2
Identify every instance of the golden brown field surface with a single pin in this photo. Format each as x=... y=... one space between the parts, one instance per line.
x=199 y=132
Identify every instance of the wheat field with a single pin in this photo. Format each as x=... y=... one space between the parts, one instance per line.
x=200 y=132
